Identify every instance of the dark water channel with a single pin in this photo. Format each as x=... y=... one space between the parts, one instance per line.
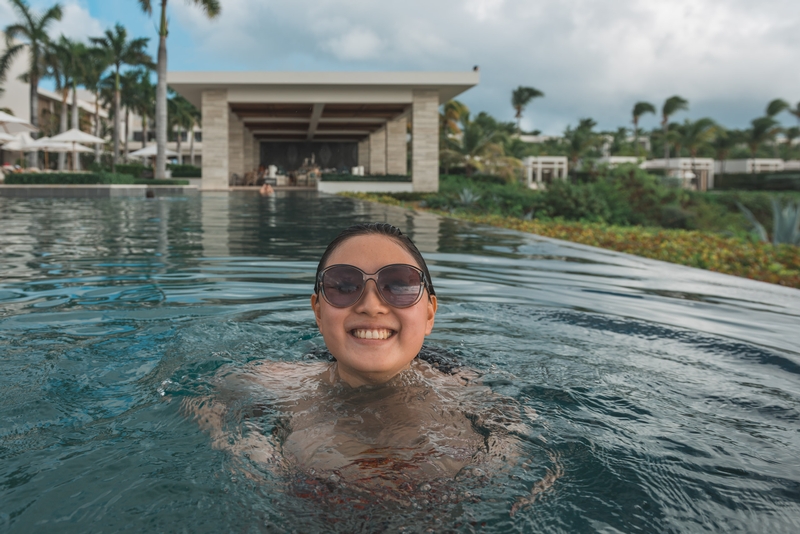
x=647 y=397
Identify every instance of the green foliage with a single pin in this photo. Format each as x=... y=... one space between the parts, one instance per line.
x=185 y=171
x=331 y=177
x=155 y=181
x=134 y=169
x=774 y=181
x=68 y=178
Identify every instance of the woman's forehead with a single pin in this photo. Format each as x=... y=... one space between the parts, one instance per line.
x=370 y=252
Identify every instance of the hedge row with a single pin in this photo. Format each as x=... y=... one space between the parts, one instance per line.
x=330 y=177
x=84 y=179
x=777 y=181
x=185 y=171
x=88 y=178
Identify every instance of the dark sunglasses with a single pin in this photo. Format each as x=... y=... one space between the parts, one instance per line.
x=399 y=285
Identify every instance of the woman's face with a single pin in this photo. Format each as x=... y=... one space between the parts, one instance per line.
x=373 y=361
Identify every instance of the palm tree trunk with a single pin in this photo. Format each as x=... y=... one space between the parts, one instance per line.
x=127 y=125
x=34 y=96
x=62 y=127
x=97 y=127
x=144 y=130
x=76 y=164
x=191 y=145
x=666 y=143
x=180 y=135
x=161 y=96
x=636 y=136
x=116 y=122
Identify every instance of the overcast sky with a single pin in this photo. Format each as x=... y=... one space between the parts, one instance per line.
x=591 y=58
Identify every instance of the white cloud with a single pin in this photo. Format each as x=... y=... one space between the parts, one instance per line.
x=356 y=44
x=76 y=23
x=591 y=57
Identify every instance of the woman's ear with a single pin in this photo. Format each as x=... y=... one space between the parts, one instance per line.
x=433 y=304
x=315 y=306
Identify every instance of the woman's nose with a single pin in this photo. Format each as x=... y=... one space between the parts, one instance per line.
x=371 y=301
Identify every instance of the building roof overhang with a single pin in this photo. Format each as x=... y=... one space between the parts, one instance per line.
x=295 y=106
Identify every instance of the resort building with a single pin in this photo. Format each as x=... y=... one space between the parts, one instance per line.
x=614 y=161
x=749 y=165
x=692 y=173
x=339 y=120
x=543 y=170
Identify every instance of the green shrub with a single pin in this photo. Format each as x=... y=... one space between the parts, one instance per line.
x=185 y=171
x=167 y=181
x=773 y=181
x=68 y=178
x=331 y=177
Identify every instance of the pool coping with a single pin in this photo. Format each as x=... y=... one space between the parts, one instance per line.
x=92 y=190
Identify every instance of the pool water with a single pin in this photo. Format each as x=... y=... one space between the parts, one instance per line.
x=613 y=393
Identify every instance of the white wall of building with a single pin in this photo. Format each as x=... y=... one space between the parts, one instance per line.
x=16 y=96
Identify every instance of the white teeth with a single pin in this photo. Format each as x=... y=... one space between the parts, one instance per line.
x=381 y=333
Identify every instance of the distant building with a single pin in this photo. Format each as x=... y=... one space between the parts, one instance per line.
x=749 y=165
x=693 y=173
x=614 y=161
x=543 y=170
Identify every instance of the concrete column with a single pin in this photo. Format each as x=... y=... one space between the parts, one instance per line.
x=256 y=152
x=425 y=140
x=377 y=152
x=396 y=147
x=363 y=154
x=215 y=139
x=235 y=145
x=248 y=150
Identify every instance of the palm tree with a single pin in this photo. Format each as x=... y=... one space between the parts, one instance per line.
x=121 y=52
x=144 y=101
x=671 y=106
x=449 y=118
x=697 y=134
x=66 y=59
x=764 y=130
x=723 y=142
x=94 y=65
x=476 y=148
x=776 y=106
x=639 y=109
x=521 y=97
x=32 y=32
x=211 y=9
x=796 y=112
x=181 y=115
x=791 y=134
x=580 y=140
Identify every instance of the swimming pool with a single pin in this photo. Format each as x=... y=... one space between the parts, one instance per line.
x=655 y=397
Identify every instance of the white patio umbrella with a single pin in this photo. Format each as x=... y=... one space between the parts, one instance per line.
x=75 y=136
x=21 y=143
x=150 y=151
x=6 y=137
x=12 y=125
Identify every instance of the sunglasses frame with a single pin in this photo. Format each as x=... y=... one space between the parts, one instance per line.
x=366 y=277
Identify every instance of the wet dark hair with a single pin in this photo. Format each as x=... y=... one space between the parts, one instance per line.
x=384 y=229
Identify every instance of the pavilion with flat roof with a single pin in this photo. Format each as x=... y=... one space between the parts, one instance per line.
x=345 y=118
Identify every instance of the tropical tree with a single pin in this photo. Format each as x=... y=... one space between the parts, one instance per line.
x=65 y=60
x=144 y=103
x=211 y=9
x=796 y=112
x=449 y=118
x=120 y=52
x=520 y=98
x=764 y=130
x=639 y=109
x=697 y=134
x=580 y=140
x=791 y=134
x=95 y=63
x=724 y=140
x=30 y=33
x=671 y=106
x=478 y=148
x=181 y=117
x=776 y=106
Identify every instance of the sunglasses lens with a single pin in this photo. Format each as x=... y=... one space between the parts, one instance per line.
x=400 y=285
x=342 y=285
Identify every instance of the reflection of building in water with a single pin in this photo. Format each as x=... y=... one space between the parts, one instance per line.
x=542 y=170
x=692 y=173
x=424 y=231
x=215 y=224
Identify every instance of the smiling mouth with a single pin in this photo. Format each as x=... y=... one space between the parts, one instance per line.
x=377 y=333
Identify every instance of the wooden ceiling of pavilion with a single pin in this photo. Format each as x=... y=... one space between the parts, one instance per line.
x=328 y=122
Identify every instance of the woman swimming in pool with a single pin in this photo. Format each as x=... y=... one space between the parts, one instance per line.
x=376 y=418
